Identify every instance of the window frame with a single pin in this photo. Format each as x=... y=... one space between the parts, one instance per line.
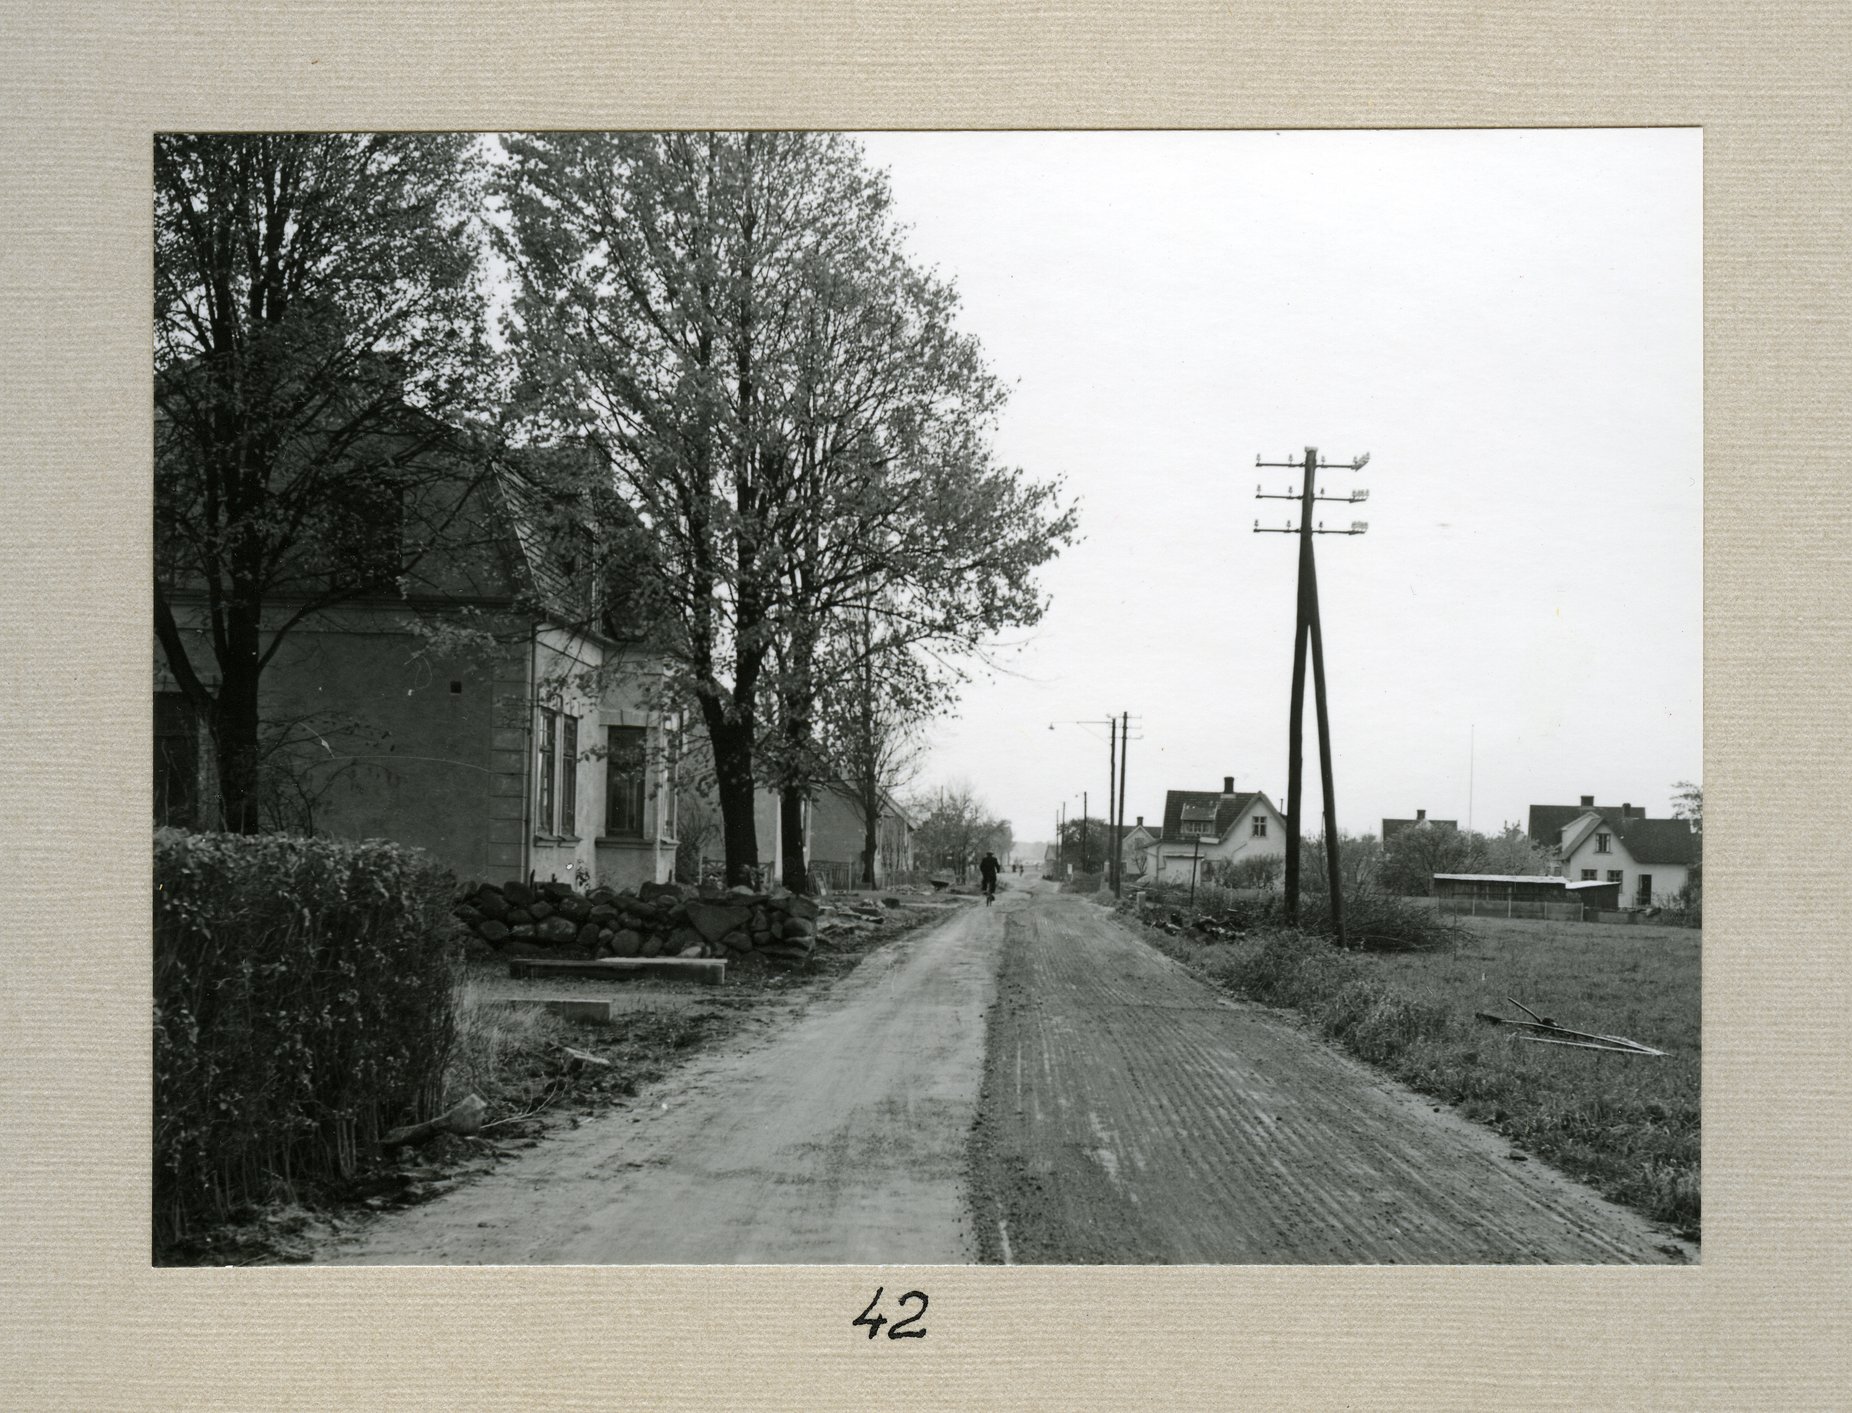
x=569 y=776
x=632 y=792
x=545 y=767
x=1604 y=843
x=1260 y=827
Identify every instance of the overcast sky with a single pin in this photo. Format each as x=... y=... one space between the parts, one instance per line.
x=1508 y=322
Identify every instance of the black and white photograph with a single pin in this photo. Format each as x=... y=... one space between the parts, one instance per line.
x=928 y=698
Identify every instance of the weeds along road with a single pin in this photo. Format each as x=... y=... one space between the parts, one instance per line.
x=1131 y=1113
x=841 y=1138
x=1110 y=1108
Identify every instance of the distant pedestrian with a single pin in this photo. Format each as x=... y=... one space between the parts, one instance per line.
x=988 y=868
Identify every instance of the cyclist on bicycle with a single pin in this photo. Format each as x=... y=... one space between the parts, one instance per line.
x=988 y=868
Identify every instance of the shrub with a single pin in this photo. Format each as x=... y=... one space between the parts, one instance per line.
x=303 y=1004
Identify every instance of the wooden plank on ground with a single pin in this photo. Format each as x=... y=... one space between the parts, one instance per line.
x=709 y=971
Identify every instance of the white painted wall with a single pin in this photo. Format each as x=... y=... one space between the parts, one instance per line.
x=1667 y=879
x=1174 y=860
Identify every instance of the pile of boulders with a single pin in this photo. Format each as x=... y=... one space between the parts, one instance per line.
x=655 y=920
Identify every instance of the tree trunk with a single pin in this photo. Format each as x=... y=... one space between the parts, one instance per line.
x=791 y=825
x=235 y=727
x=871 y=827
x=732 y=742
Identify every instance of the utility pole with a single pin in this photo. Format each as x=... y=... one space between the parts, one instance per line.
x=1118 y=854
x=1308 y=630
x=1085 y=856
x=1112 y=773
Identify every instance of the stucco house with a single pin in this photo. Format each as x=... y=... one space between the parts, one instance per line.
x=1650 y=859
x=836 y=837
x=1137 y=847
x=482 y=714
x=1203 y=825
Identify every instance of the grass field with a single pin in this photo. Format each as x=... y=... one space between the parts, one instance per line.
x=1628 y=1125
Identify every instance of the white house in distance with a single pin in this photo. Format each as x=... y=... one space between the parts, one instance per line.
x=1136 y=847
x=1202 y=825
x=1651 y=859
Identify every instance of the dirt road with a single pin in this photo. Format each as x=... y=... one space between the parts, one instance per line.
x=1113 y=1109
x=1131 y=1113
x=840 y=1139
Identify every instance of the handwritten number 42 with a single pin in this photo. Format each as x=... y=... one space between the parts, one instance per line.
x=899 y=1330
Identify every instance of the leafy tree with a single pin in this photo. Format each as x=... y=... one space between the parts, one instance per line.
x=869 y=723
x=790 y=423
x=1510 y=851
x=318 y=336
x=955 y=829
x=1412 y=856
x=1360 y=861
x=1085 y=843
x=1688 y=805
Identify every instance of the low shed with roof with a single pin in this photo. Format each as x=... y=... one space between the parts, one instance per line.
x=1527 y=895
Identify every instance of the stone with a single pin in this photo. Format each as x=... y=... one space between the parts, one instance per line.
x=491 y=931
x=600 y=895
x=713 y=921
x=628 y=943
x=740 y=890
x=895 y=902
x=588 y=934
x=804 y=907
x=518 y=894
x=681 y=938
x=490 y=903
x=652 y=945
x=555 y=891
x=468 y=915
x=738 y=940
x=604 y=914
x=651 y=891
x=523 y=930
x=556 y=930
x=574 y=907
x=799 y=927
x=694 y=949
x=761 y=936
x=540 y=911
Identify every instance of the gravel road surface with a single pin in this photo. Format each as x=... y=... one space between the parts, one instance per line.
x=1108 y=1108
x=839 y=1138
x=1133 y=1114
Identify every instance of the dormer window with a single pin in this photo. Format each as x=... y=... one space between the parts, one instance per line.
x=1604 y=843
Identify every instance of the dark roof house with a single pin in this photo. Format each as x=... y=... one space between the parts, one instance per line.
x=1393 y=827
x=1217 y=809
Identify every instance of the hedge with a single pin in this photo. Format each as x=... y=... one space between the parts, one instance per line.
x=304 y=995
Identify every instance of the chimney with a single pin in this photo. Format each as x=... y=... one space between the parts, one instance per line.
x=1141 y=822
x=1420 y=815
x=1588 y=802
x=1626 y=811
x=1228 y=784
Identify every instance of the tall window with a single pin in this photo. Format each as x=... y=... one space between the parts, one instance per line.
x=623 y=788
x=1604 y=843
x=176 y=760
x=544 y=772
x=1260 y=826
x=569 y=778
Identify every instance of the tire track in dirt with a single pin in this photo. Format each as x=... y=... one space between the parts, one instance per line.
x=1132 y=1114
